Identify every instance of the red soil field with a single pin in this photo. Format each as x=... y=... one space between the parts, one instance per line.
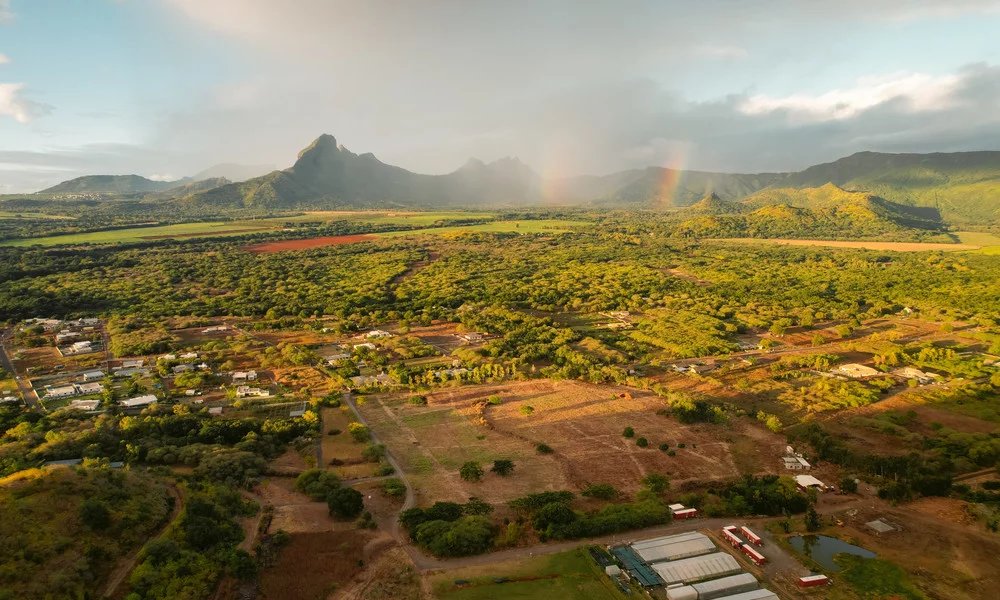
x=306 y=244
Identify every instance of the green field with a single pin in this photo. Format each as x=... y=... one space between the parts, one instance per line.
x=231 y=228
x=990 y=243
x=569 y=575
x=33 y=215
x=517 y=226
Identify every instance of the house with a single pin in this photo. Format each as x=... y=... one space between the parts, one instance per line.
x=93 y=375
x=333 y=359
x=215 y=410
x=64 y=391
x=132 y=364
x=85 y=404
x=65 y=336
x=191 y=392
x=471 y=337
x=922 y=377
x=169 y=357
x=215 y=329
x=81 y=347
x=367 y=380
x=245 y=391
x=202 y=366
x=189 y=356
x=130 y=372
x=806 y=482
x=182 y=369
x=145 y=400
x=90 y=388
x=244 y=375
x=375 y=334
x=365 y=346
x=796 y=463
x=855 y=371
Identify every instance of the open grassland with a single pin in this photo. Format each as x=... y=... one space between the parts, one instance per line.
x=231 y=228
x=516 y=226
x=988 y=243
x=569 y=575
x=581 y=423
x=867 y=245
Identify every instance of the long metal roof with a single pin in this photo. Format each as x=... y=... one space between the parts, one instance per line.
x=761 y=594
x=638 y=569
x=717 y=588
x=697 y=568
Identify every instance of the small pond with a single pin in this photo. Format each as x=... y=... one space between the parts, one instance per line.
x=822 y=549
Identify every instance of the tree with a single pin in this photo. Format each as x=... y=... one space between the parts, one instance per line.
x=601 y=491
x=628 y=432
x=471 y=471
x=656 y=483
x=849 y=485
x=544 y=449
x=359 y=433
x=503 y=467
x=642 y=442
x=812 y=521
x=345 y=503
x=95 y=515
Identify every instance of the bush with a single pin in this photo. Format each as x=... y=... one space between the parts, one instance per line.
x=394 y=488
x=95 y=515
x=527 y=409
x=345 y=503
x=628 y=432
x=849 y=485
x=384 y=469
x=463 y=537
x=656 y=483
x=664 y=447
x=471 y=471
x=359 y=432
x=334 y=431
x=494 y=400
x=317 y=484
x=476 y=506
x=601 y=491
x=642 y=442
x=418 y=400
x=373 y=452
x=544 y=449
x=503 y=467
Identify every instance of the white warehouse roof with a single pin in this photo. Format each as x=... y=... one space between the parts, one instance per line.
x=697 y=568
x=717 y=588
x=754 y=595
x=675 y=547
x=667 y=539
x=139 y=401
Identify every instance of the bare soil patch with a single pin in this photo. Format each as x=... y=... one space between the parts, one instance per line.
x=314 y=565
x=309 y=243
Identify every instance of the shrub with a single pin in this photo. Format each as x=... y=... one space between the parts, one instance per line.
x=345 y=503
x=503 y=467
x=544 y=449
x=664 y=447
x=476 y=506
x=463 y=537
x=359 y=433
x=373 y=452
x=601 y=491
x=656 y=483
x=849 y=485
x=418 y=400
x=494 y=400
x=471 y=471
x=384 y=469
x=642 y=442
x=317 y=484
x=527 y=409
x=628 y=432
x=95 y=515
x=394 y=488
x=334 y=431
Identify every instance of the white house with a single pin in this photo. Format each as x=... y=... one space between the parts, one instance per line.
x=377 y=334
x=178 y=369
x=365 y=346
x=245 y=376
x=245 y=391
x=145 y=400
x=856 y=371
x=132 y=364
x=189 y=356
x=806 y=482
x=90 y=388
x=64 y=391
x=93 y=375
x=85 y=404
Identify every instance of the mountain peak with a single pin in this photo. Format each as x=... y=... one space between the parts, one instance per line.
x=323 y=143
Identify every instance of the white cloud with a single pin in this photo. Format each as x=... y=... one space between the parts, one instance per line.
x=916 y=92
x=721 y=51
x=13 y=104
x=4 y=59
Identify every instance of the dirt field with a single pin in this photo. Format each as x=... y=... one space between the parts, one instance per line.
x=314 y=565
x=582 y=423
x=341 y=447
x=893 y=246
x=309 y=243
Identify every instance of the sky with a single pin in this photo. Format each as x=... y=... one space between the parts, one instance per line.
x=167 y=88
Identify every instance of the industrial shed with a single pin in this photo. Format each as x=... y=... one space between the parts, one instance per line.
x=754 y=595
x=634 y=566
x=674 y=547
x=716 y=588
x=697 y=568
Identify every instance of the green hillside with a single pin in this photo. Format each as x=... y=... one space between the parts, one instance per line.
x=110 y=184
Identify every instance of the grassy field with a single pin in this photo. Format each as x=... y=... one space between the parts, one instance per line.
x=988 y=242
x=33 y=215
x=868 y=245
x=570 y=575
x=518 y=226
x=230 y=228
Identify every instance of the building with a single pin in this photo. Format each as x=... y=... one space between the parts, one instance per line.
x=365 y=346
x=635 y=567
x=121 y=373
x=375 y=334
x=922 y=377
x=806 y=482
x=333 y=359
x=85 y=404
x=215 y=410
x=716 y=588
x=855 y=371
x=245 y=391
x=760 y=594
x=178 y=369
x=674 y=547
x=189 y=356
x=878 y=526
x=65 y=336
x=132 y=364
x=145 y=400
x=90 y=388
x=367 y=380
x=697 y=568
x=93 y=375
x=813 y=580
x=215 y=329
x=472 y=337
x=64 y=391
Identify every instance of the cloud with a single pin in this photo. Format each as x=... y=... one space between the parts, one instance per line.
x=916 y=92
x=4 y=59
x=13 y=104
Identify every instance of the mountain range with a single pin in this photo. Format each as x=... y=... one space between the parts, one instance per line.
x=916 y=189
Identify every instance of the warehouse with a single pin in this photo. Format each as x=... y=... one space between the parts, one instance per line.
x=697 y=568
x=716 y=588
x=761 y=594
x=635 y=568
x=674 y=547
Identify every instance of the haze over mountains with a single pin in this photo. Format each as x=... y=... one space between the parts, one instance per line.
x=916 y=189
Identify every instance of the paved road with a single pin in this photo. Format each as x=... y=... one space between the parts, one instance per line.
x=27 y=393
